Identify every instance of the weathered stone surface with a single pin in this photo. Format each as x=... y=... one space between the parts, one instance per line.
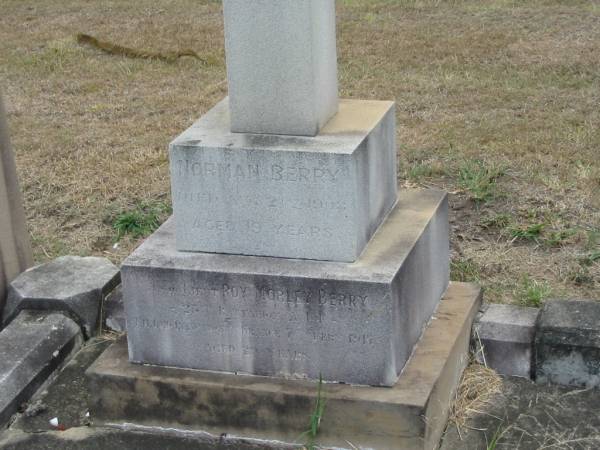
x=94 y=438
x=568 y=343
x=71 y=284
x=295 y=197
x=281 y=65
x=31 y=347
x=529 y=416
x=355 y=323
x=410 y=415
x=15 y=250
x=114 y=311
x=506 y=334
x=65 y=397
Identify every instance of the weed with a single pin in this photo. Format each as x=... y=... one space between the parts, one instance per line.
x=141 y=221
x=590 y=258
x=479 y=179
x=423 y=169
x=315 y=418
x=499 y=221
x=527 y=233
x=464 y=270
x=532 y=292
x=494 y=442
x=581 y=276
x=558 y=238
x=593 y=239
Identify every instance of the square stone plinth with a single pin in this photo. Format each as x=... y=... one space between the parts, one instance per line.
x=287 y=196
x=568 y=343
x=411 y=415
x=356 y=323
x=506 y=335
x=281 y=65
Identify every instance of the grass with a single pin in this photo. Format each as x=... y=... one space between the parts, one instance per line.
x=527 y=233
x=315 y=418
x=532 y=292
x=477 y=388
x=464 y=270
x=479 y=179
x=496 y=102
x=495 y=439
x=140 y=221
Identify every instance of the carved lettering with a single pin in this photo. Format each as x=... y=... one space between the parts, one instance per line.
x=273 y=172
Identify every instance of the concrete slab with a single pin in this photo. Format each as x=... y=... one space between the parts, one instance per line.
x=410 y=415
x=281 y=65
x=568 y=343
x=356 y=323
x=31 y=347
x=287 y=196
x=506 y=334
x=72 y=284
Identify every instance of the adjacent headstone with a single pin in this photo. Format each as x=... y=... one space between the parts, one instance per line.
x=15 y=250
x=281 y=65
x=293 y=197
x=73 y=284
x=505 y=334
x=568 y=343
x=356 y=323
x=31 y=348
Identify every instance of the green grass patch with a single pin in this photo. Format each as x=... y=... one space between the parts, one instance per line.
x=559 y=238
x=479 y=179
x=464 y=270
x=527 y=232
x=418 y=170
x=590 y=259
x=140 y=221
x=496 y=221
x=531 y=292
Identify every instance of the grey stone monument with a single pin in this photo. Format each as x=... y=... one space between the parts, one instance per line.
x=288 y=255
x=291 y=255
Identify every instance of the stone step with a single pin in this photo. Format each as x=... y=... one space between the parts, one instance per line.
x=411 y=415
x=355 y=323
x=32 y=346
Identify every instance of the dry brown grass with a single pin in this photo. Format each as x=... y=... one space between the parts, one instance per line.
x=478 y=386
x=513 y=84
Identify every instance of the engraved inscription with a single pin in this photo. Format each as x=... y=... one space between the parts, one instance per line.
x=269 y=201
x=272 y=172
x=253 y=226
x=265 y=321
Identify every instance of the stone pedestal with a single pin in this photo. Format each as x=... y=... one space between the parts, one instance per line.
x=411 y=415
x=287 y=196
x=355 y=323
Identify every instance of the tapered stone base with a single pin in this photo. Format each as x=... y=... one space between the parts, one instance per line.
x=410 y=415
x=319 y=197
x=354 y=323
